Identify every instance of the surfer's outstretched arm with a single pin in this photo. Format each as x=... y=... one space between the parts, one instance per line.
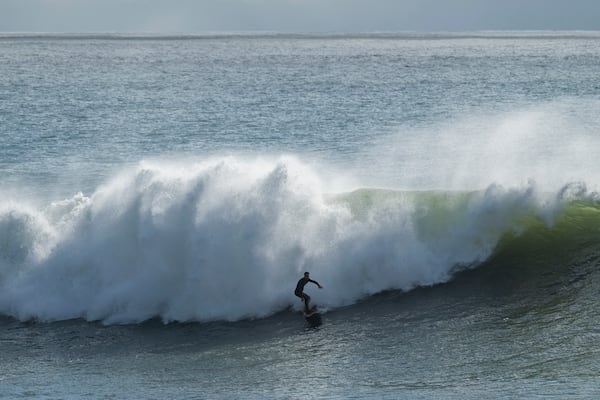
x=316 y=283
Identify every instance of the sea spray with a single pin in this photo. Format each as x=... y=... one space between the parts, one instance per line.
x=551 y=142
x=227 y=238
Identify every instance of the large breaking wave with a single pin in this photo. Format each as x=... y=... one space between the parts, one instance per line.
x=227 y=238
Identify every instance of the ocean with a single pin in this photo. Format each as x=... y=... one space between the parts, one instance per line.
x=160 y=196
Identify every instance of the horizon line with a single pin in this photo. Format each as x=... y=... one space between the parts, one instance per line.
x=495 y=33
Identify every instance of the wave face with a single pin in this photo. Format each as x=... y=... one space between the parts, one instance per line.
x=227 y=238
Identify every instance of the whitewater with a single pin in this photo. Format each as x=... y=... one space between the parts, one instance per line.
x=160 y=196
x=223 y=239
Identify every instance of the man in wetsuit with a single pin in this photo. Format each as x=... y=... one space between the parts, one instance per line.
x=300 y=287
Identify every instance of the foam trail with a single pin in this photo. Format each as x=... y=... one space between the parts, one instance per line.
x=227 y=238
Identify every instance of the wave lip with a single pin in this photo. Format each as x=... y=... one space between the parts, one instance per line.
x=227 y=238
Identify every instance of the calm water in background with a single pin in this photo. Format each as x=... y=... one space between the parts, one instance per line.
x=160 y=196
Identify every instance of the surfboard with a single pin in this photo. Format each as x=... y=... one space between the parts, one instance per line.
x=313 y=317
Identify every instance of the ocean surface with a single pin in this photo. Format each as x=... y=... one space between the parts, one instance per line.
x=160 y=196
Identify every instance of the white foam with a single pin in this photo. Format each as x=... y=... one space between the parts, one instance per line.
x=227 y=238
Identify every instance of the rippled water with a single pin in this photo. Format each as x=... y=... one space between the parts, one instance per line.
x=160 y=196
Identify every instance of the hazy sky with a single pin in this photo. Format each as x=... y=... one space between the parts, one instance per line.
x=191 y=16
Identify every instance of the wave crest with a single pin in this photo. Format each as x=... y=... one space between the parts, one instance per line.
x=228 y=238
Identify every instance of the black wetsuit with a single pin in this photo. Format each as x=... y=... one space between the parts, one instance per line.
x=300 y=291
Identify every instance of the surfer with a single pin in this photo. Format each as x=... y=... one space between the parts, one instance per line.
x=300 y=290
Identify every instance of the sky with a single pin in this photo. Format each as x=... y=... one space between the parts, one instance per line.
x=198 y=16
